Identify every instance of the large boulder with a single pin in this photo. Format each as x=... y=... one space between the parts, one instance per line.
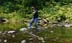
x=3 y=20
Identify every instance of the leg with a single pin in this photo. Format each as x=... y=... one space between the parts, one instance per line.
x=36 y=24
x=30 y=25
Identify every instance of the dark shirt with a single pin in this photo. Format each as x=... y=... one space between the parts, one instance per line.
x=35 y=14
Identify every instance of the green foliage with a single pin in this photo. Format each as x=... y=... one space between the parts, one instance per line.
x=16 y=10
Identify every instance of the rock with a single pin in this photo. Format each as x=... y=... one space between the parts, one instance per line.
x=12 y=31
x=5 y=40
x=0 y=40
x=42 y=39
x=4 y=33
x=67 y=25
x=31 y=39
x=13 y=36
x=23 y=41
x=60 y=25
x=6 y=20
x=51 y=31
x=0 y=32
x=23 y=29
x=3 y=20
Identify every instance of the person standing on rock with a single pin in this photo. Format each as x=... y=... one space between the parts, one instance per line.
x=34 y=18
